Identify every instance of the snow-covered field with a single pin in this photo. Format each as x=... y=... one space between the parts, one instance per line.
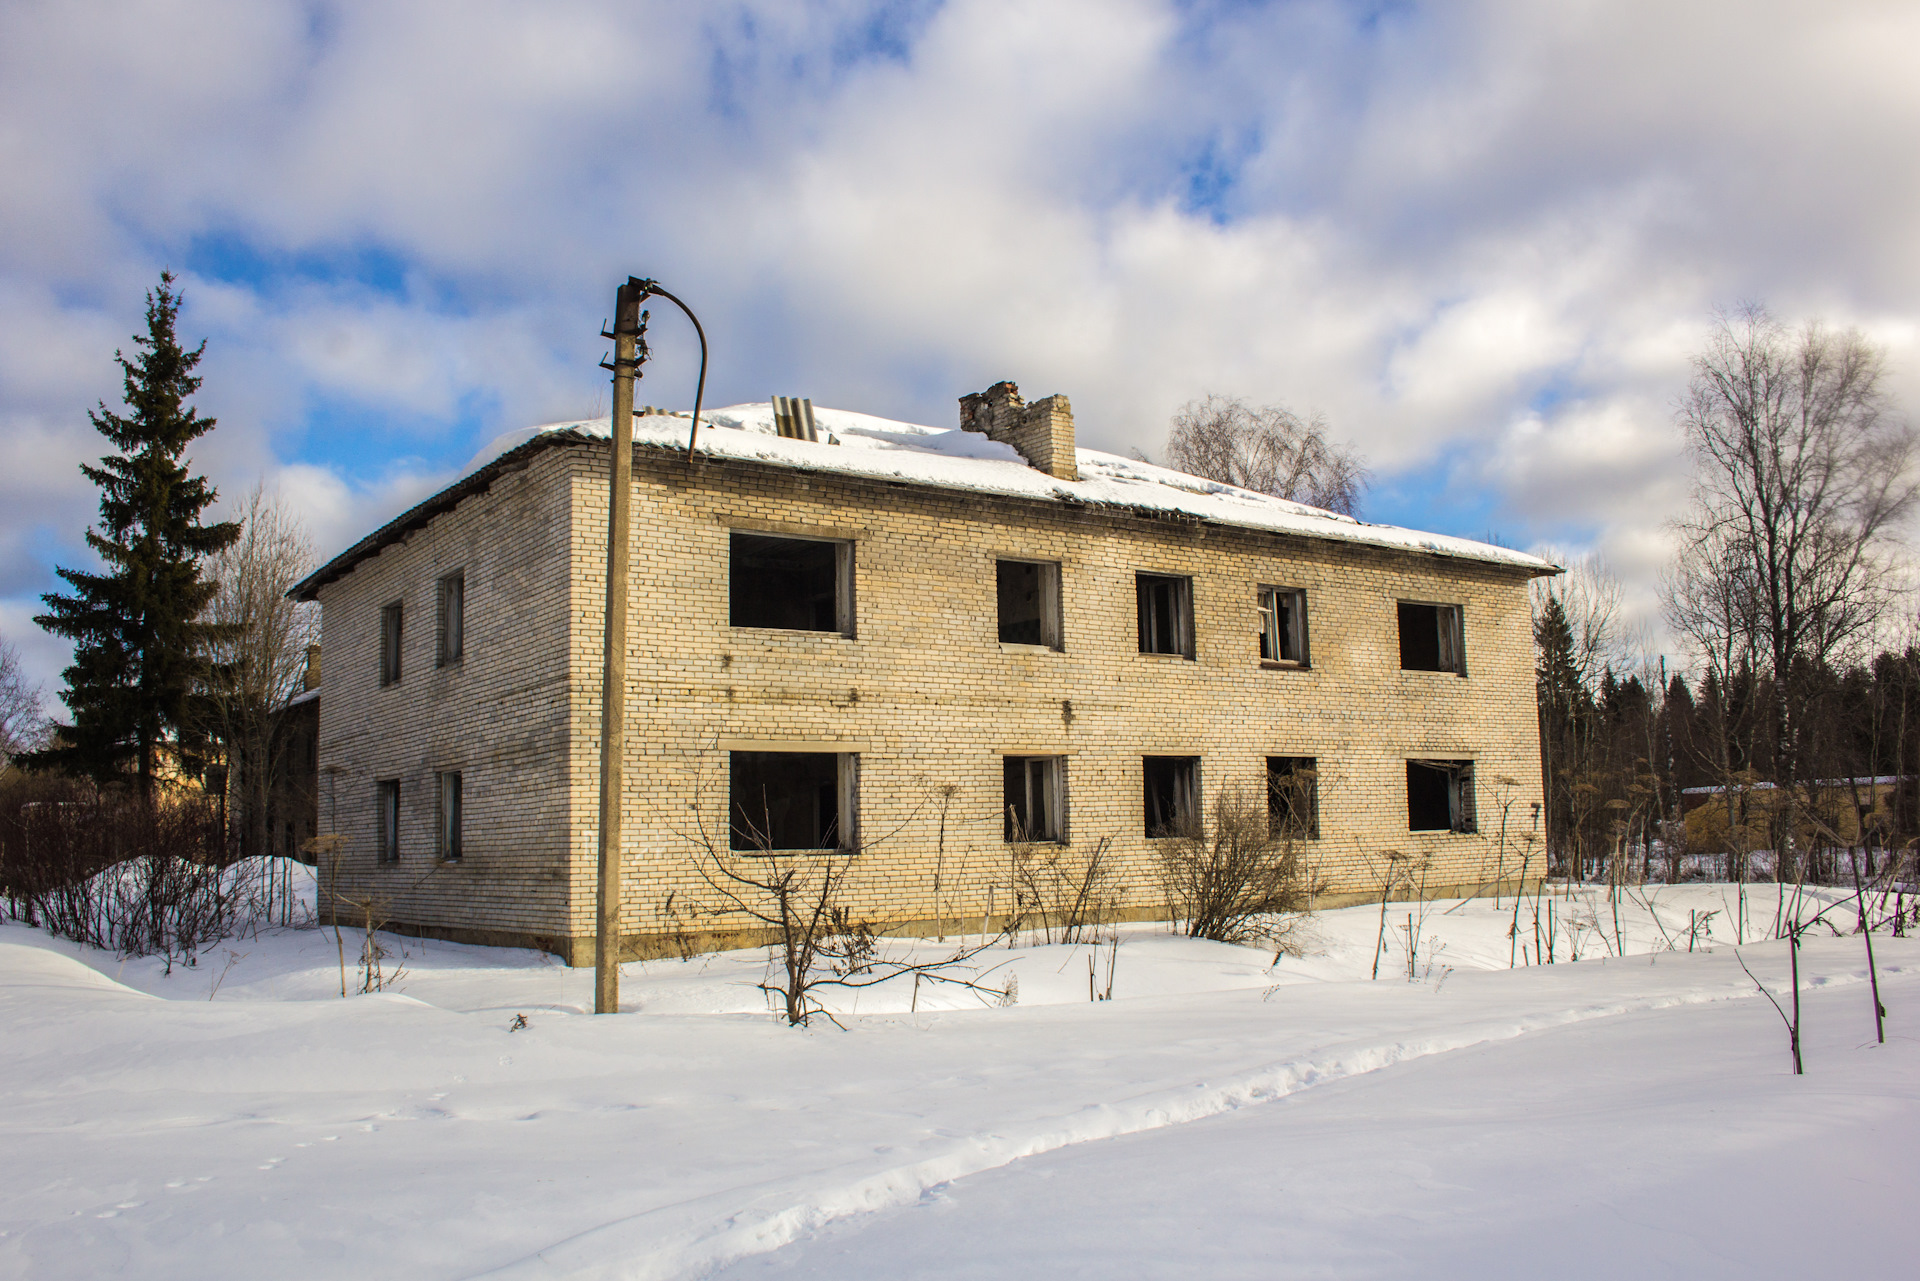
x=1222 y=1116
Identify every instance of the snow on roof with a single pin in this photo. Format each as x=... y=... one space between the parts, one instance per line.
x=862 y=445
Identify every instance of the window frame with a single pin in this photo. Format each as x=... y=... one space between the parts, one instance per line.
x=392 y=636
x=1051 y=629
x=1181 y=608
x=449 y=813
x=1275 y=793
x=1462 y=816
x=1183 y=822
x=845 y=618
x=1450 y=636
x=450 y=624
x=846 y=799
x=1270 y=631
x=386 y=820
x=1052 y=785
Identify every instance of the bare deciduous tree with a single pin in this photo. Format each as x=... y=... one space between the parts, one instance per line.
x=259 y=657
x=1801 y=476
x=23 y=727
x=1270 y=450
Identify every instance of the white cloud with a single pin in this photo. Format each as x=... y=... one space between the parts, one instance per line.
x=1483 y=231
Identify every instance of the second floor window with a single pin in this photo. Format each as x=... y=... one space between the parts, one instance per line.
x=453 y=610
x=1029 y=601
x=390 y=643
x=1283 y=625
x=796 y=584
x=1166 y=614
x=1431 y=639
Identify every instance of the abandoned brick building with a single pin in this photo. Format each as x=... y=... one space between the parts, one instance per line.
x=904 y=642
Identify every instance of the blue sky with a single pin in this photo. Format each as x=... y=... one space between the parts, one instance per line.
x=1481 y=237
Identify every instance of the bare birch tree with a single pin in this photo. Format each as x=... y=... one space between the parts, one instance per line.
x=1802 y=474
x=1270 y=450
x=258 y=663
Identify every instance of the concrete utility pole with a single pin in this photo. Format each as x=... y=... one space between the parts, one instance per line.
x=629 y=347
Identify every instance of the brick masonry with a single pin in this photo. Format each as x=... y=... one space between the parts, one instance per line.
x=923 y=692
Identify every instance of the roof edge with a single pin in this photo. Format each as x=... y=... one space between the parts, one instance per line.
x=417 y=516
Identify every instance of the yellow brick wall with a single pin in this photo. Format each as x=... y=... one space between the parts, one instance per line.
x=923 y=690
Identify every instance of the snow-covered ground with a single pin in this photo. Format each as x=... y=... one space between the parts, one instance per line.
x=1222 y=1116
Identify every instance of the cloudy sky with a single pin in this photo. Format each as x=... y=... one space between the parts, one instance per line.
x=1481 y=236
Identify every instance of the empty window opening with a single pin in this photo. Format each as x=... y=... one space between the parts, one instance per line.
x=1430 y=639
x=387 y=818
x=799 y=584
x=1172 y=794
x=1440 y=796
x=1293 y=798
x=390 y=643
x=791 y=800
x=1166 y=614
x=447 y=818
x=1283 y=625
x=1034 y=798
x=1029 y=593
x=453 y=608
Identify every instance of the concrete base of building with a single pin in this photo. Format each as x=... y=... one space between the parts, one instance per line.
x=578 y=950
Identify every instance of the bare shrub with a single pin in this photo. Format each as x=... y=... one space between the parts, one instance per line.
x=816 y=941
x=1067 y=894
x=1233 y=880
x=108 y=869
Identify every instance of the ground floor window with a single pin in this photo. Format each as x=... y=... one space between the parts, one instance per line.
x=1172 y=794
x=1034 y=798
x=1440 y=796
x=448 y=818
x=791 y=800
x=1293 y=798
x=387 y=817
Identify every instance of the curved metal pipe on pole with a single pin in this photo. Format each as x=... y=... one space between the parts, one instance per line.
x=629 y=354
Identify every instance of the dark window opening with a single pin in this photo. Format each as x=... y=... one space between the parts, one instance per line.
x=1166 y=614
x=1293 y=798
x=789 y=800
x=453 y=608
x=1283 y=625
x=1033 y=798
x=1440 y=796
x=1430 y=638
x=387 y=817
x=447 y=842
x=799 y=584
x=1029 y=597
x=1172 y=800
x=390 y=643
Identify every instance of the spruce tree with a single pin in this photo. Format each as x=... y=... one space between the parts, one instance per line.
x=139 y=643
